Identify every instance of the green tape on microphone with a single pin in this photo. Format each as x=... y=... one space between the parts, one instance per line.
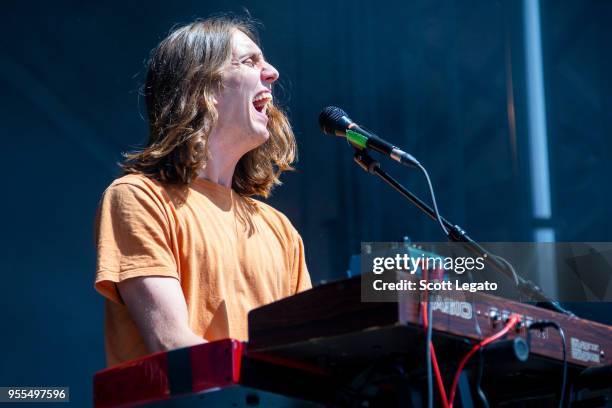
x=356 y=139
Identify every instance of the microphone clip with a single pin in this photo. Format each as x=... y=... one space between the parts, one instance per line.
x=365 y=161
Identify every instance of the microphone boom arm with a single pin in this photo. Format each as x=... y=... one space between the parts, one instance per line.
x=458 y=234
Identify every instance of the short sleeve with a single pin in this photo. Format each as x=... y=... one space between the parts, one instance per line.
x=301 y=277
x=133 y=238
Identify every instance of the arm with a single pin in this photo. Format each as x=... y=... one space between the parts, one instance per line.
x=157 y=306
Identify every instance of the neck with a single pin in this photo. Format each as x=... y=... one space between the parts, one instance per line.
x=221 y=164
x=217 y=174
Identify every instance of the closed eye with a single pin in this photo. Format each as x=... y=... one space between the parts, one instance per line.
x=252 y=60
x=249 y=61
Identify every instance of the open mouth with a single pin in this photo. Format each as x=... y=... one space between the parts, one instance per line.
x=261 y=101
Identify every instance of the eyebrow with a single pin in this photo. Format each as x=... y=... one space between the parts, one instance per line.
x=255 y=54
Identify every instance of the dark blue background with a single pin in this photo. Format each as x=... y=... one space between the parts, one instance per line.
x=439 y=78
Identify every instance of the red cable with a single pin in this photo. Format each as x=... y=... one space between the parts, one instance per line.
x=434 y=360
x=511 y=323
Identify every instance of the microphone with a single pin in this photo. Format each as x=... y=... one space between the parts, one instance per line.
x=335 y=121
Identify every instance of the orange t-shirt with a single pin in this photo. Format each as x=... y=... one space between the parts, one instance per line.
x=230 y=253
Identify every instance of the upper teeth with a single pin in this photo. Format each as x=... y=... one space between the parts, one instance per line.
x=262 y=96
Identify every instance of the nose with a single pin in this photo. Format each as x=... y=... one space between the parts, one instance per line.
x=269 y=74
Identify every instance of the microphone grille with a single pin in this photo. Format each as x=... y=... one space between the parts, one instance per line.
x=330 y=120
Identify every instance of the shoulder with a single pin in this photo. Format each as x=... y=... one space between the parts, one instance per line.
x=134 y=203
x=136 y=191
x=268 y=211
x=134 y=182
x=275 y=217
x=142 y=187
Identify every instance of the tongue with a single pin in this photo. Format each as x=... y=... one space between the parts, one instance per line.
x=259 y=105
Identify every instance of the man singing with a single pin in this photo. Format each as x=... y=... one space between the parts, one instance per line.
x=184 y=252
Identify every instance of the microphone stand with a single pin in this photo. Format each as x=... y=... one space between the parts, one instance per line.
x=458 y=234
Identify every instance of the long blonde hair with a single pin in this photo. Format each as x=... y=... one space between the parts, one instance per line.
x=184 y=70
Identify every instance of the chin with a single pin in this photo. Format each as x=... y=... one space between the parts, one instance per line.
x=262 y=133
x=263 y=138
x=265 y=135
x=258 y=138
